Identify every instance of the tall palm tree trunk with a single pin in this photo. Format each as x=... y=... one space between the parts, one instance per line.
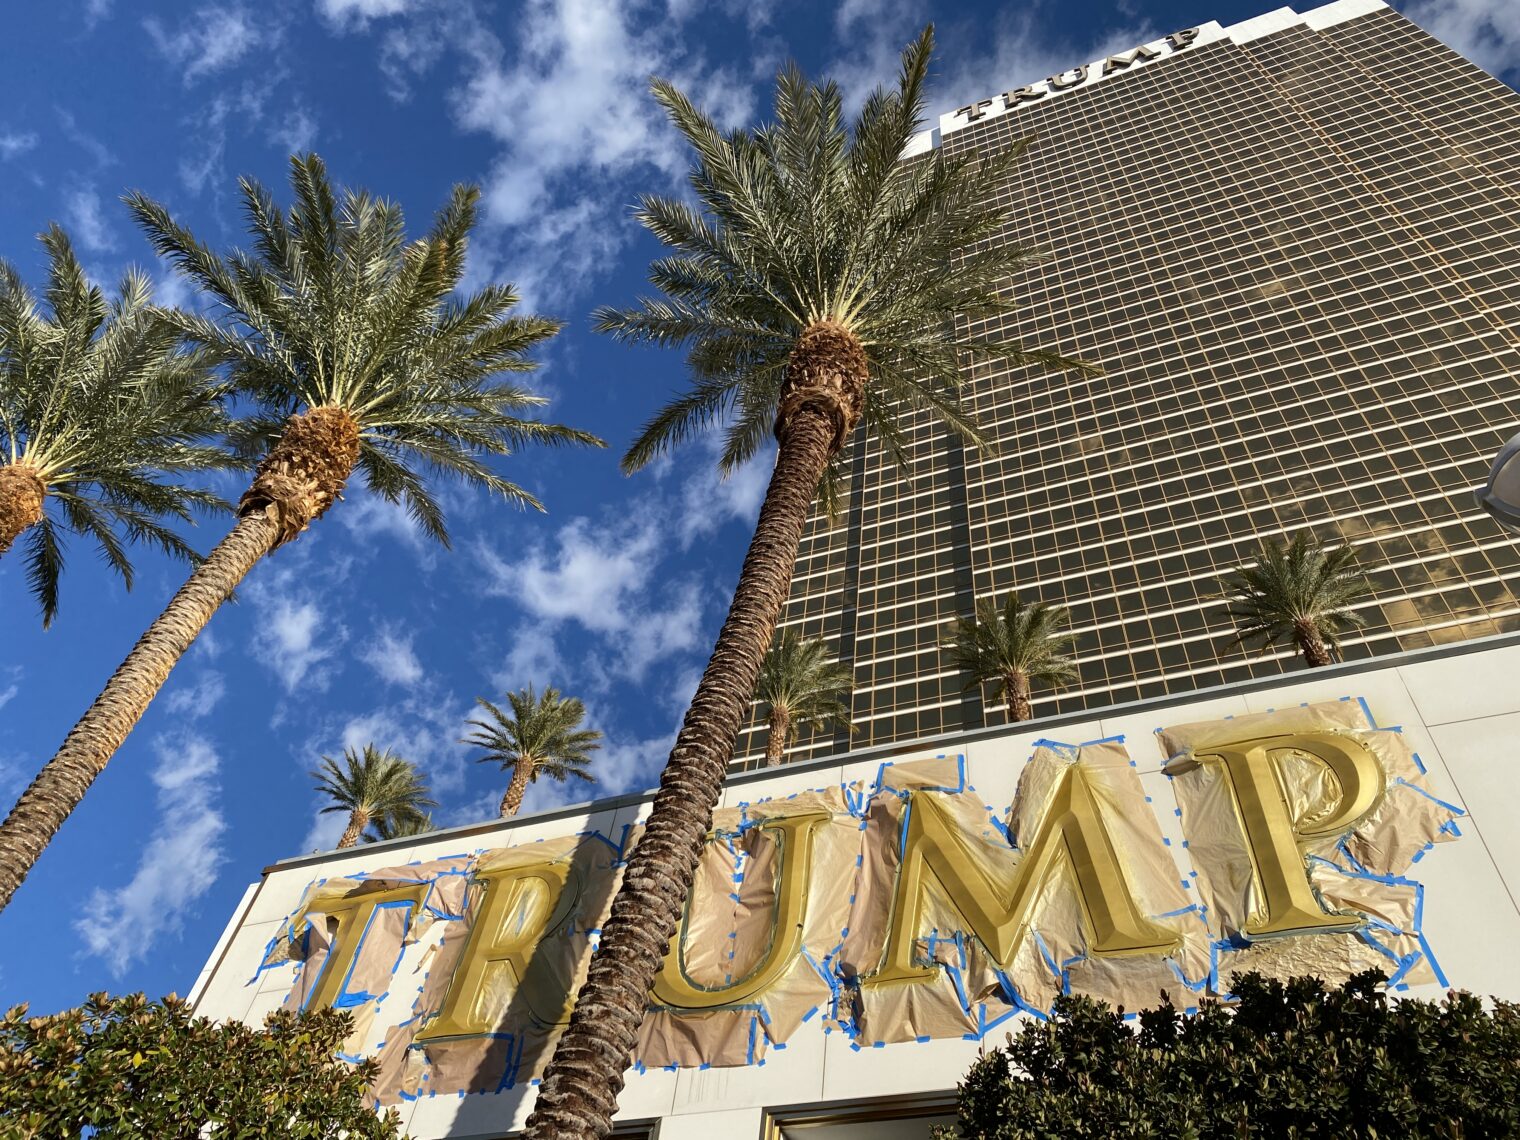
x=1020 y=707
x=21 y=496
x=299 y=479
x=358 y=820
x=775 y=743
x=820 y=404
x=1307 y=634
x=517 y=787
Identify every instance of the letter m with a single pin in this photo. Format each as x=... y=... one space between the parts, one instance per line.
x=998 y=909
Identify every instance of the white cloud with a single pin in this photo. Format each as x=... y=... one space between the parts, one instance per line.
x=567 y=102
x=15 y=143
x=198 y=698
x=297 y=132
x=99 y=153
x=325 y=831
x=212 y=38
x=370 y=518
x=351 y=13
x=603 y=577
x=96 y=11
x=392 y=658
x=7 y=694
x=87 y=221
x=178 y=865
x=294 y=635
x=1485 y=31
x=533 y=658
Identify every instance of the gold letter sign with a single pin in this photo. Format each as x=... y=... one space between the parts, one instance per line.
x=1254 y=767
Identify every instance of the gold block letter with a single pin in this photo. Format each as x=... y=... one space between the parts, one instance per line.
x=520 y=905
x=794 y=874
x=352 y=917
x=1287 y=904
x=1072 y=831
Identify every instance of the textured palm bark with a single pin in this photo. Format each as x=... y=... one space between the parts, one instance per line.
x=1020 y=706
x=517 y=787
x=63 y=781
x=1307 y=634
x=22 y=493
x=358 y=820
x=300 y=478
x=580 y=1087
x=775 y=743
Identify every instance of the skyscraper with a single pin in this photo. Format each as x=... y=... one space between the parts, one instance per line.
x=1288 y=245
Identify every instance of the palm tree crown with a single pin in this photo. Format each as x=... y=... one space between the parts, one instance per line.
x=349 y=342
x=541 y=737
x=375 y=786
x=809 y=226
x=803 y=688
x=1301 y=593
x=100 y=408
x=337 y=316
x=1015 y=646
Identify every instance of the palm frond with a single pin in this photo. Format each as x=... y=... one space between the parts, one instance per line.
x=101 y=399
x=334 y=307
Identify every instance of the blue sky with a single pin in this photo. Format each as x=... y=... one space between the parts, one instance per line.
x=362 y=631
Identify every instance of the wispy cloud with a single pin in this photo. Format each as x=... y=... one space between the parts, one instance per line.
x=297 y=132
x=198 y=698
x=1485 y=31
x=16 y=143
x=392 y=658
x=295 y=637
x=566 y=103
x=210 y=39
x=87 y=221
x=99 y=153
x=358 y=13
x=179 y=864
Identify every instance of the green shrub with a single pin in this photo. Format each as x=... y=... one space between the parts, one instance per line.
x=1289 y=1060
x=125 y=1068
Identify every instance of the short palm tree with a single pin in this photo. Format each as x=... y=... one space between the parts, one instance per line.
x=101 y=410
x=542 y=737
x=350 y=342
x=1014 y=646
x=373 y=786
x=419 y=824
x=815 y=284
x=802 y=687
x=1300 y=593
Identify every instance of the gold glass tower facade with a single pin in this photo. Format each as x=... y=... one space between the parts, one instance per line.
x=1290 y=244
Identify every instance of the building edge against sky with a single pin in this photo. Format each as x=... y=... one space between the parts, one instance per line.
x=1419 y=723
x=1285 y=242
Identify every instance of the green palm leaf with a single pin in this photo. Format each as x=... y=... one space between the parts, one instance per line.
x=372 y=786
x=539 y=736
x=1013 y=646
x=1299 y=593
x=104 y=411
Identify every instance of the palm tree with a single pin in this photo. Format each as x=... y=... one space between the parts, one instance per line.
x=1015 y=647
x=1299 y=593
x=357 y=355
x=100 y=407
x=814 y=285
x=374 y=786
x=804 y=688
x=420 y=824
x=542 y=737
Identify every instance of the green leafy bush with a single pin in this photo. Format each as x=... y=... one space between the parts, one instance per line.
x=1290 y=1060
x=125 y=1068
